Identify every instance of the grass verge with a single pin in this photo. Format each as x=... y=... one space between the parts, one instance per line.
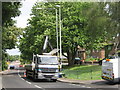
x=83 y=72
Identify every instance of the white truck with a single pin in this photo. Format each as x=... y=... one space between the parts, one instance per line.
x=111 y=69
x=43 y=67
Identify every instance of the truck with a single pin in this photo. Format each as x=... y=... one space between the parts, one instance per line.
x=111 y=69
x=43 y=67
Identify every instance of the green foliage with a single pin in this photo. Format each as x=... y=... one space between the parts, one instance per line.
x=92 y=59
x=24 y=61
x=4 y=65
x=4 y=60
x=10 y=35
x=10 y=10
x=42 y=23
x=88 y=25
x=9 y=31
x=13 y=57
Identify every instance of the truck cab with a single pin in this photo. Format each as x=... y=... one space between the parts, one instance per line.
x=43 y=67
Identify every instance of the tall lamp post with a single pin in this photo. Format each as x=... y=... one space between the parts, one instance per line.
x=56 y=24
x=60 y=24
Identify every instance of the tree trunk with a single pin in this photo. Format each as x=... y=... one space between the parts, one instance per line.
x=71 y=56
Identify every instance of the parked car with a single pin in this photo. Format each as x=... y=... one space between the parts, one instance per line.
x=78 y=60
x=12 y=67
x=21 y=67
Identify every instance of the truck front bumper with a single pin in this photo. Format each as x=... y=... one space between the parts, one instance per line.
x=48 y=75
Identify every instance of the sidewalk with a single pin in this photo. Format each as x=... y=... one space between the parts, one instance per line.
x=78 y=81
x=4 y=72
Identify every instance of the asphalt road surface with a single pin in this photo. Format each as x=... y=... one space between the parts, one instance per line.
x=15 y=80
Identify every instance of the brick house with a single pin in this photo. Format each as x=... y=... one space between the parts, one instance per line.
x=100 y=54
x=112 y=49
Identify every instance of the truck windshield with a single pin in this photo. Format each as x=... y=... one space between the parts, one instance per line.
x=48 y=60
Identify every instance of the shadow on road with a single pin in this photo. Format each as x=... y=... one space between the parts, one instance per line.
x=30 y=79
x=105 y=83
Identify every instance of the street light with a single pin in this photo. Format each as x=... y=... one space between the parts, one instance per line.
x=56 y=23
x=60 y=23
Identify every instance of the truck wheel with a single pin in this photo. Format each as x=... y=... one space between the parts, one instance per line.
x=119 y=81
x=34 y=77
x=27 y=74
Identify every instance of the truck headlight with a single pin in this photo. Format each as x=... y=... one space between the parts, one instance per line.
x=56 y=70
x=39 y=70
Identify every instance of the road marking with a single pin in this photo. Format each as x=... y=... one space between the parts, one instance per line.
x=75 y=85
x=79 y=85
x=72 y=84
x=83 y=86
x=28 y=82
x=37 y=86
x=19 y=75
x=23 y=79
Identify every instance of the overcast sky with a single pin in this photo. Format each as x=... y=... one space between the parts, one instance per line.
x=22 y=20
x=25 y=13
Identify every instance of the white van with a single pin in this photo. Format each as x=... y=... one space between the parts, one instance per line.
x=111 y=69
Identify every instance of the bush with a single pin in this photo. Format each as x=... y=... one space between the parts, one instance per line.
x=92 y=59
x=4 y=65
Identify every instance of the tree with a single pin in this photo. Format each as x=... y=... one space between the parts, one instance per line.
x=115 y=17
x=9 y=31
x=10 y=36
x=83 y=24
x=9 y=11
x=86 y=25
x=42 y=23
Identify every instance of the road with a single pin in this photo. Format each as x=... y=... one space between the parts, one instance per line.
x=14 y=79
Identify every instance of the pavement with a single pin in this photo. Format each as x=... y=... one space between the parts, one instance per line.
x=0 y=82
x=4 y=72
x=72 y=81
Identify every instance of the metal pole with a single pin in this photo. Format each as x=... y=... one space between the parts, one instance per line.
x=56 y=24
x=57 y=29
x=60 y=32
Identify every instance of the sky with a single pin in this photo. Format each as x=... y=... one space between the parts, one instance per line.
x=25 y=13
x=22 y=20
